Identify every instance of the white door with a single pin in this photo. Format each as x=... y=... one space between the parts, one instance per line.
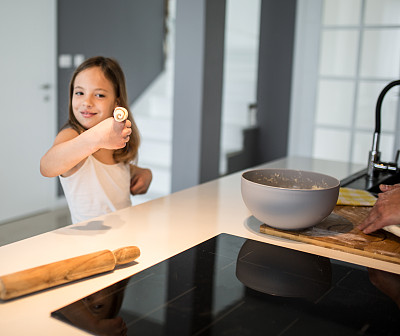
x=27 y=104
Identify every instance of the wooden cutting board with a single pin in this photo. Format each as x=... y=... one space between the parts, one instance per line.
x=339 y=232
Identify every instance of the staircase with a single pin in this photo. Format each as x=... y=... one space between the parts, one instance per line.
x=153 y=111
x=153 y=116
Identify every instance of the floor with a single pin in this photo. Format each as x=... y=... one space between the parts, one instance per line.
x=20 y=229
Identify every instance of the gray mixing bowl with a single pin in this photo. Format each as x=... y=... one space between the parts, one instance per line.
x=289 y=199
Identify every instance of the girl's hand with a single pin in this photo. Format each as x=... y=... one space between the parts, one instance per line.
x=386 y=210
x=140 y=180
x=111 y=134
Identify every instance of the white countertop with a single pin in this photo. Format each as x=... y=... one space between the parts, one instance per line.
x=160 y=228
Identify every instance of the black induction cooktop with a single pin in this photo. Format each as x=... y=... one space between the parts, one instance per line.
x=229 y=285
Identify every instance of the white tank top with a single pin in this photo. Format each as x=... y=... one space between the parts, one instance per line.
x=96 y=189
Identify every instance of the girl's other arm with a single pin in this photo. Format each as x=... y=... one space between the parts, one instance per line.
x=140 y=180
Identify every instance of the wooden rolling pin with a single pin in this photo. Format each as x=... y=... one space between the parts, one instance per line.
x=60 y=272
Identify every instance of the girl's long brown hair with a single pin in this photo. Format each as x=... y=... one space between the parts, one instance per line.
x=113 y=72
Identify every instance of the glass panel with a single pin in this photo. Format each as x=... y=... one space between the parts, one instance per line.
x=363 y=143
x=366 y=103
x=382 y=12
x=387 y=147
x=240 y=74
x=361 y=147
x=331 y=144
x=339 y=53
x=381 y=53
x=341 y=12
x=335 y=103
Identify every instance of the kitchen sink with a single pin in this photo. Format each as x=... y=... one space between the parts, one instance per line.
x=360 y=180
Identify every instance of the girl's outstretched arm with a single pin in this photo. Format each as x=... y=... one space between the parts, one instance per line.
x=70 y=149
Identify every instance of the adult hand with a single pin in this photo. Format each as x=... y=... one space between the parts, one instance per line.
x=140 y=181
x=386 y=210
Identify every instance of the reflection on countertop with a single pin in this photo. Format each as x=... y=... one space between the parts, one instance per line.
x=240 y=286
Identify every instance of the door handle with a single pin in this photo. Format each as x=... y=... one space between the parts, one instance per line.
x=45 y=86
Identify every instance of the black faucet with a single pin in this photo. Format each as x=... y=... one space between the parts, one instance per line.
x=374 y=163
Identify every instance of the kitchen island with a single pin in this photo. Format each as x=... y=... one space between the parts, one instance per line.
x=161 y=229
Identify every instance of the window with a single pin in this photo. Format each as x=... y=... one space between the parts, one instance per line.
x=347 y=51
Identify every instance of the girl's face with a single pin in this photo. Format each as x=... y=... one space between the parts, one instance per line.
x=93 y=99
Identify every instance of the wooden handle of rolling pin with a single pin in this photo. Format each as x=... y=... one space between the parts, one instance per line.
x=60 y=272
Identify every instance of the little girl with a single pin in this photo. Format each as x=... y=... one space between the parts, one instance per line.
x=93 y=154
